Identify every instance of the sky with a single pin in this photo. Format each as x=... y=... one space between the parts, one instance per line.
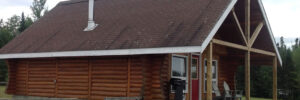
x=284 y=15
x=9 y=8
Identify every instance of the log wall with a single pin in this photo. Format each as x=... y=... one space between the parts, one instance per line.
x=92 y=78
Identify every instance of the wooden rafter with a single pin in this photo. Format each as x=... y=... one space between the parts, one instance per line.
x=229 y=44
x=239 y=26
x=255 y=33
x=262 y=52
x=241 y=47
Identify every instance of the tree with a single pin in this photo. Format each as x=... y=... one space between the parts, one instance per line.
x=287 y=73
x=296 y=59
x=37 y=7
x=28 y=22
x=6 y=34
x=296 y=44
x=1 y=23
x=24 y=23
x=12 y=24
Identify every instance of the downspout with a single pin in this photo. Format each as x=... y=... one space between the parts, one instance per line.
x=91 y=23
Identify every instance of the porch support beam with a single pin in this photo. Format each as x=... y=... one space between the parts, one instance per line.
x=247 y=55
x=275 y=78
x=255 y=33
x=209 y=72
x=239 y=26
x=241 y=47
x=247 y=20
x=262 y=52
x=247 y=75
x=229 y=44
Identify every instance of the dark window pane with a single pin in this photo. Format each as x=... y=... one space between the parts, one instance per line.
x=179 y=67
x=194 y=68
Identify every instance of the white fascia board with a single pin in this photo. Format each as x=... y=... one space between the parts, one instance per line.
x=187 y=49
x=270 y=30
x=218 y=25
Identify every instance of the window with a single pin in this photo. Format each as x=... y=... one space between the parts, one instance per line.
x=194 y=68
x=214 y=73
x=179 y=68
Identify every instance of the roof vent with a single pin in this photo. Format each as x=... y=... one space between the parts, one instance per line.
x=91 y=23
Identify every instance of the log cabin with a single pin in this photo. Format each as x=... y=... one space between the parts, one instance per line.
x=132 y=48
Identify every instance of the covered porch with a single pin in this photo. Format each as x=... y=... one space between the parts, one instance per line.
x=244 y=39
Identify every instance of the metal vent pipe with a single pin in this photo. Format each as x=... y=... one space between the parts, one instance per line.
x=91 y=23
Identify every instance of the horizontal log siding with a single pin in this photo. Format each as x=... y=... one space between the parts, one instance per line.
x=40 y=77
x=72 y=78
x=11 y=86
x=121 y=76
x=21 y=78
x=109 y=78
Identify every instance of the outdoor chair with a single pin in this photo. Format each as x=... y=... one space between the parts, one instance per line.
x=217 y=92
x=232 y=94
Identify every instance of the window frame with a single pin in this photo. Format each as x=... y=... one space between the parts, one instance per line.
x=186 y=69
x=205 y=72
x=197 y=68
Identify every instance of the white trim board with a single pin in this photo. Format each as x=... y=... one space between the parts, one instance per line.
x=187 y=49
x=270 y=30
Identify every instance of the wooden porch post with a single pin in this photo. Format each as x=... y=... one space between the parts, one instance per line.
x=209 y=73
x=247 y=56
x=247 y=75
x=275 y=78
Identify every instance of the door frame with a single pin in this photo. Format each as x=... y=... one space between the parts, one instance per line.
x=199 y=75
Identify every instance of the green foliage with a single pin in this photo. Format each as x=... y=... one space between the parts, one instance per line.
x=13 y=24
x=5 y=36
x=7 y=33
x=37 y=7
x=288 y=74
x=261 y=80
x=296 y=59
x=24 y=23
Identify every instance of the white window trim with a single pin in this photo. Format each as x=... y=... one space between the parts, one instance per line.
x=217 y=76
x=187 y=73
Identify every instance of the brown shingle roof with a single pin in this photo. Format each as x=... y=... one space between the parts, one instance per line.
x=123 y=24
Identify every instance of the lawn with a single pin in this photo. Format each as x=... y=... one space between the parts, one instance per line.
x=253 y=98
x=2 y=93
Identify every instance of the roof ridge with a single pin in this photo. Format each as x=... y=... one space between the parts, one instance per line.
x=69 y=2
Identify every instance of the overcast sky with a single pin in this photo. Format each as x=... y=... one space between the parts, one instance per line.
x=284 y=15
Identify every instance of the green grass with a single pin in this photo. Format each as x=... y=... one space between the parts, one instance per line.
x=2 y=92
x=3 y=95
x=253 y=98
